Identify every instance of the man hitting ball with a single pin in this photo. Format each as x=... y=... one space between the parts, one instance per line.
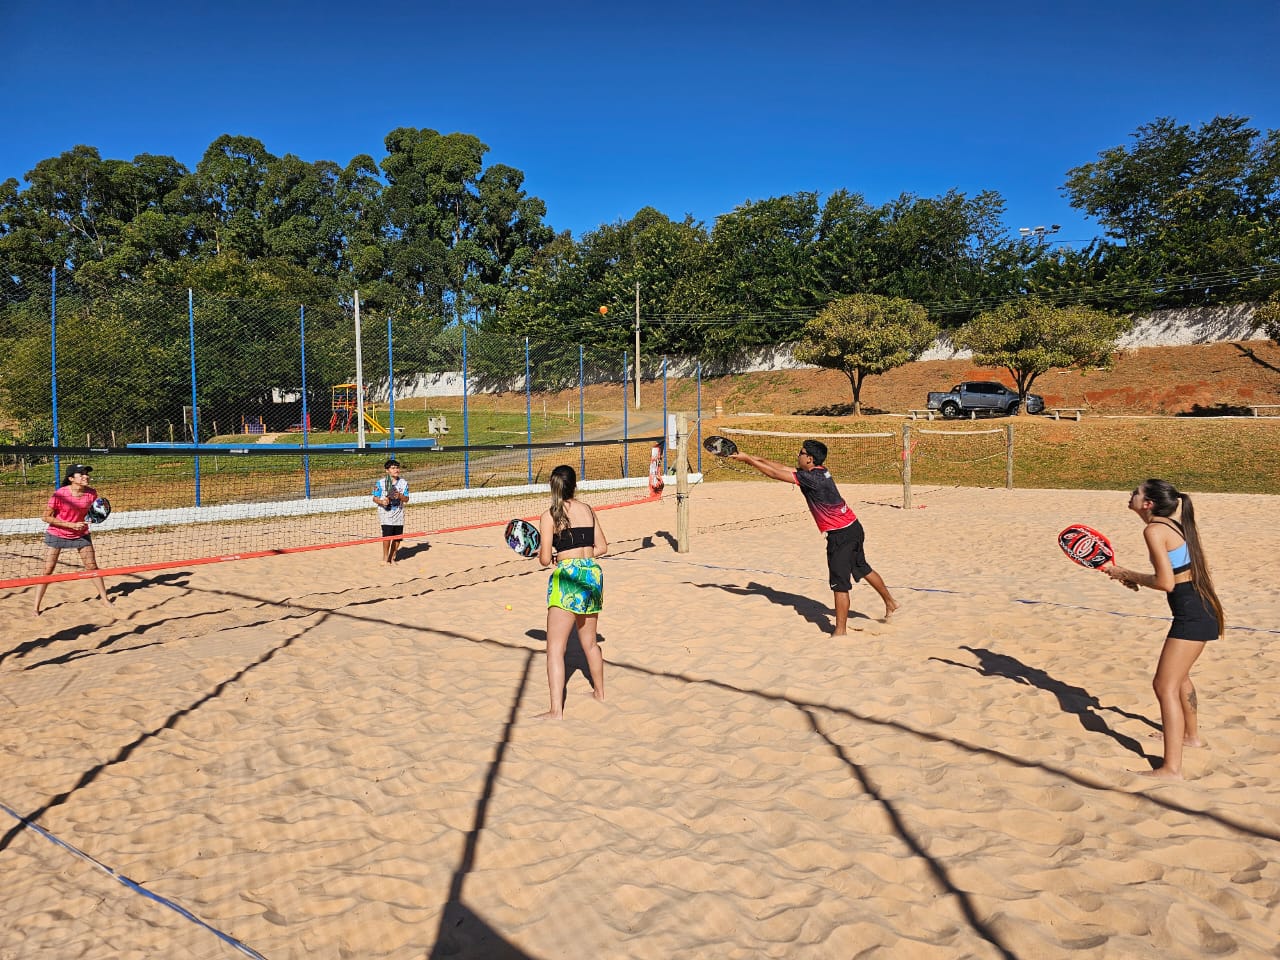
x=846 y=561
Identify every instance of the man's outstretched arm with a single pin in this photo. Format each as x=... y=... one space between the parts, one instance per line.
x=770 y=468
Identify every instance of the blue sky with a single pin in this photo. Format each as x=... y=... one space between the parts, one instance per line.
x=690 y=107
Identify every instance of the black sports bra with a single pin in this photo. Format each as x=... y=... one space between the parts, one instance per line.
x=571 y=538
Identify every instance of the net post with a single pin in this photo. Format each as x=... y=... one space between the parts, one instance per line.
x=906 y=466
x=682 y=484
x=1008 y=457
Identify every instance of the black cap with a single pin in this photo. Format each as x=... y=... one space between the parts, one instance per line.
x=79 y=468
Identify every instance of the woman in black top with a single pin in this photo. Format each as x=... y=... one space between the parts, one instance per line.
x=572 y=539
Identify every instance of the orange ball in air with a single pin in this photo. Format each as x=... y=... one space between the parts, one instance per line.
x=603 y=311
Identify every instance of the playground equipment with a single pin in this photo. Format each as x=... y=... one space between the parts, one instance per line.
x=347 y=409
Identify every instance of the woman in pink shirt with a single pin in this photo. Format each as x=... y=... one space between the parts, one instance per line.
x=67 y=528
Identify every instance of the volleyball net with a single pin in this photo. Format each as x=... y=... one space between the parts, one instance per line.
x=965 y=456
x=183 y=505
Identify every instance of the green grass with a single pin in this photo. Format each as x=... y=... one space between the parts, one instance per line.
x=1221 y=455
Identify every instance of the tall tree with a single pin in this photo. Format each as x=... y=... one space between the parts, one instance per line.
x=227 y=186
x=1191 y=208
x=864 y=335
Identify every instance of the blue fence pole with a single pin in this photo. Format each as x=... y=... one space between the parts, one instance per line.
x=664 y=415
x=528 y=411
x=582 y=415
x=625 y=471
x=466 y=429
x=391 y=388
x=699 y=416
x=306 y=416
x=195 y=410
x=53 y=361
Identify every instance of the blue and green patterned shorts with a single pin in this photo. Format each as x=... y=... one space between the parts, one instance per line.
x=576 y=586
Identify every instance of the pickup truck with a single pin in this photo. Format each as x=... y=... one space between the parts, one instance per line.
x=981 y=396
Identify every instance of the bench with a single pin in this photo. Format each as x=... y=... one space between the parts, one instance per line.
x=1255 y=407
x=437 y=425
x=915 y=414
x=1057 y=412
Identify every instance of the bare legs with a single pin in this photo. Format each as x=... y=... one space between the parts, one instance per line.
x=842 y=613
x=1177 y=698
x=559 y=624
x=51 y=561
x=390 y=551
x=877 y=584
x=842 y=603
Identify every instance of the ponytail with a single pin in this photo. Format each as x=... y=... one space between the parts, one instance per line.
x=564 y=484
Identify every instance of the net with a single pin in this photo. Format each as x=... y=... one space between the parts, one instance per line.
x=851 y=457
x=174 y=505
x=962 y=457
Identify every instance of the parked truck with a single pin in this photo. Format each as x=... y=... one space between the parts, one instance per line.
x=981 y=396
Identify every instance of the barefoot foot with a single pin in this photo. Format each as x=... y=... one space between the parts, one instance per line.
x=1161 y=773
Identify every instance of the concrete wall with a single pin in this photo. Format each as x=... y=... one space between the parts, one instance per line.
x=1160 y=328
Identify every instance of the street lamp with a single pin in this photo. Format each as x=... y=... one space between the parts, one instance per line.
x=1038 y=232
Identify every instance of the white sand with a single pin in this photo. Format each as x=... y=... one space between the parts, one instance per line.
x=321 y=758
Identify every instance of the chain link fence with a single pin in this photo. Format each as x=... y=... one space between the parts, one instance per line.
x=135 y=365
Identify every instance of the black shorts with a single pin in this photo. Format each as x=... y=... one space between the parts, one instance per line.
x=1192 y=618
x=846 y=562
x=392 y=530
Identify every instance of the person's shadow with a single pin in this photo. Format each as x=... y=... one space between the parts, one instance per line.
x=819 y=614
x=408 y=551
x=1076 y=701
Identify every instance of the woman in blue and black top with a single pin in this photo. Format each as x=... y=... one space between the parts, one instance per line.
x=1180 y=571
x=572 y=539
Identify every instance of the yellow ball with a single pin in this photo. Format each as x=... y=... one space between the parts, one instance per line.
x=508 y=606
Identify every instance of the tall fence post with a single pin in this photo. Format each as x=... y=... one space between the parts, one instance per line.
x=528 y=412
x=625 y=361
x=699 y=398
x=306 y=415
x=466 y=426
x=359 y=377
x=906 y=466
x=664 y=414
x=53 y=361
x=195 y=407
x=391 y=388
x=582 y=413
x=1008 y=457
x=682 y=483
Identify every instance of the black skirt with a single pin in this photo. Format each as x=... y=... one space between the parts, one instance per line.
x=1192 y=618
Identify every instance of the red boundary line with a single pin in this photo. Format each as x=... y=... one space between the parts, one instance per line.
x=276 y=552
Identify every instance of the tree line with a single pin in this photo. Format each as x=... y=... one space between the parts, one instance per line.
x=437 y=236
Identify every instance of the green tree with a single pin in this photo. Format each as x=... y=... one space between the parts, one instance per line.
x=864 y=335
x=1029 y=337
x=1191 y=208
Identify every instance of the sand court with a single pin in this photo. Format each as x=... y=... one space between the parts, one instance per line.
x=318 y=755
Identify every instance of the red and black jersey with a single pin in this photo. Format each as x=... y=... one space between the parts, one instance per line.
x=829 y=510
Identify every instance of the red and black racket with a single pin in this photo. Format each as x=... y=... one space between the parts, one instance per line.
x=1086 y=546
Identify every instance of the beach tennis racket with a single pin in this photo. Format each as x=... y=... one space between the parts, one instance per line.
x=1086 y=546
x=523 y=537
x=99 y=511
x=720 y=446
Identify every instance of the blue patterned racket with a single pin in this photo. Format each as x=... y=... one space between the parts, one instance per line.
x=523 y=537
